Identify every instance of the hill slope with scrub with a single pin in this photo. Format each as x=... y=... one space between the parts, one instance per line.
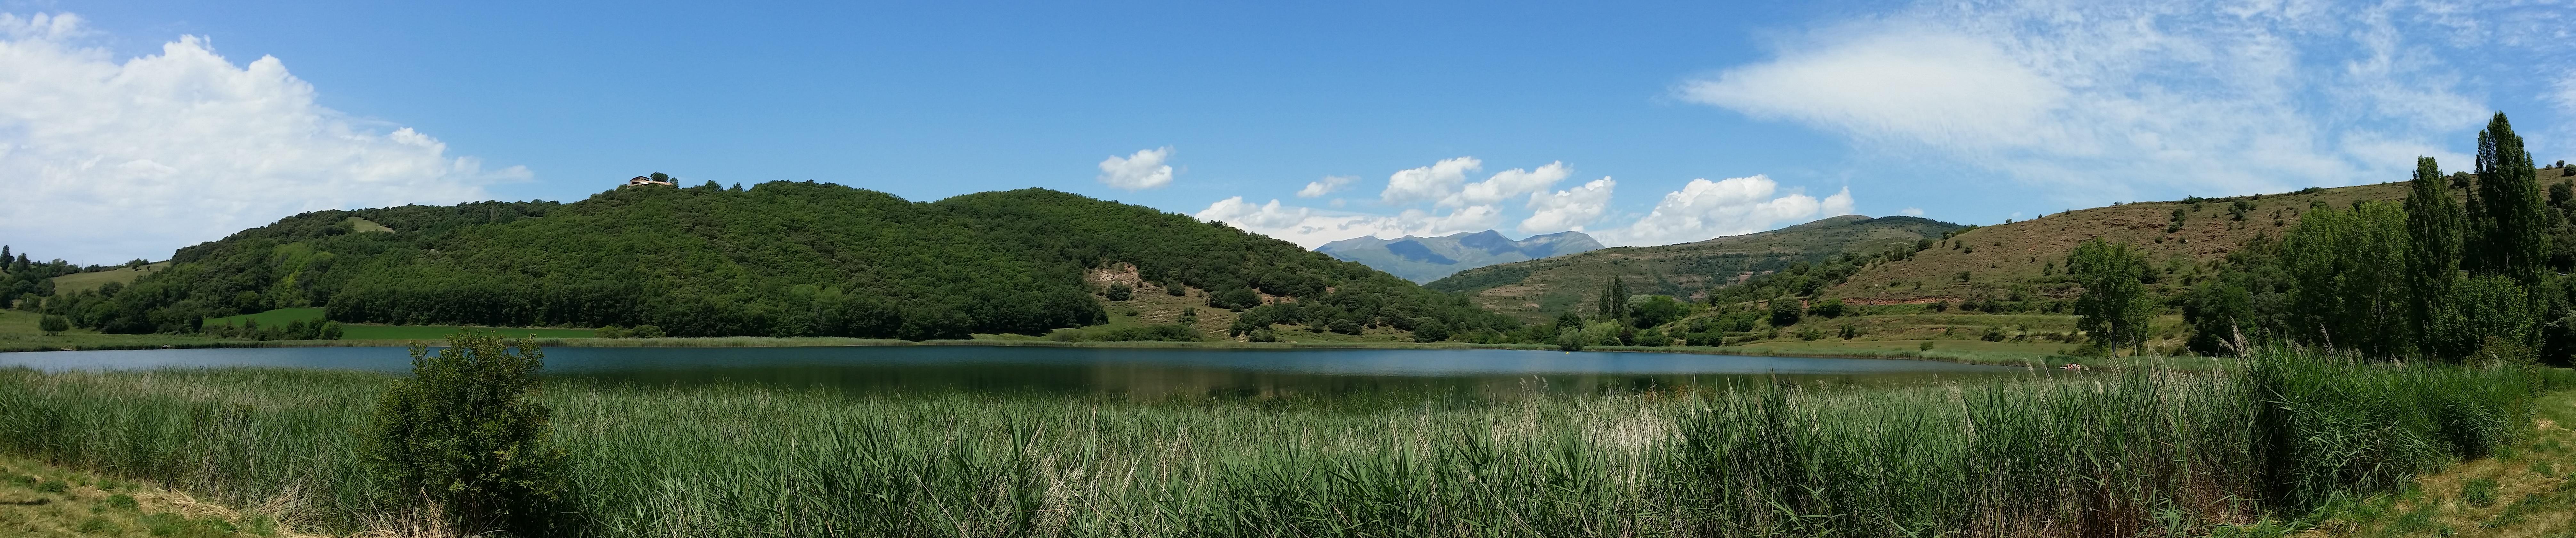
x=778 y=259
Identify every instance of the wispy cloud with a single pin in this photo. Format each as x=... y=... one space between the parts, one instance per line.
x=1326 y=186
x=2102 y=101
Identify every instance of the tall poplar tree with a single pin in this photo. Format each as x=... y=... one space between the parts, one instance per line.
x=2345 y=291
x=2508 y=220
x=2434 y=224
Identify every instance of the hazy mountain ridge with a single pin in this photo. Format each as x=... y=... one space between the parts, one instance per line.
x=1424 y=259
x=1536 y=288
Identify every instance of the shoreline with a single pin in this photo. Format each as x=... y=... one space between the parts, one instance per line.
x=1991 y=358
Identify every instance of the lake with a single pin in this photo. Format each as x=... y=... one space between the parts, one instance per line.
x=1139 y=372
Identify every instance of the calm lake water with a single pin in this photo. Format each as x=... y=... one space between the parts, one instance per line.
x=1143 y=372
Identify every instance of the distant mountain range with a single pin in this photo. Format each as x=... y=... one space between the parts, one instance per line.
x=1535 y=290
x=1424 y=259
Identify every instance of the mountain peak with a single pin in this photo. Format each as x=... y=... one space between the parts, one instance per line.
x=1423 y=259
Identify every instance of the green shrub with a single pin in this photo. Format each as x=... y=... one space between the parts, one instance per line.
x=1653 y=338
x=1829 y=308
x=1236 y=299
x=466 y=436
x=1120 y=292
x=1428 y=329
x=1786 y=312
x=646 y=331
x=54 y=325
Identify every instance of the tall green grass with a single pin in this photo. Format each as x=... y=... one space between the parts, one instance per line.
x=2141 y=453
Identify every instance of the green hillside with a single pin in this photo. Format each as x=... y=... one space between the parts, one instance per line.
x=1539 y=288
x=778 y=259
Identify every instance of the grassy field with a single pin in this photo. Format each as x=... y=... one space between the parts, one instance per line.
x=39 y=500
x=77 y=282
x=18 y=333
x=276 y=317
x=2098 y=454
x=2526 y=490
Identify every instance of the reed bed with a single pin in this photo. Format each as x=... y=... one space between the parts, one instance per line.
x=2151 y=453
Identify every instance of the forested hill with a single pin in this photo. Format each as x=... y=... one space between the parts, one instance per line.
x=779 y=259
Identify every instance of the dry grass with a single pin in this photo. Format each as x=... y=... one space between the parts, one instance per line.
x=2001 y=256
x=42 y=500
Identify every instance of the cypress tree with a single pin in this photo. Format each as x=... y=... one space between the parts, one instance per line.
x=2507 y=220
x=2433 y=232
x=1614 y=299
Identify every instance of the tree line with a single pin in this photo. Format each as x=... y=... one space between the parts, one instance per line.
x=2464 y=266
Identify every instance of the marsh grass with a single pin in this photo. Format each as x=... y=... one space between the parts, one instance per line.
x=2150 y=452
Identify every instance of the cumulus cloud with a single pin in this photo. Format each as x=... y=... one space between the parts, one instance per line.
x=1912 y=212
x=1705 y=209
x=106 y=160
x=1310 y=227
x=1435 y=182
x=1325 y=186
x=2100 y=100
x=1568 y=209
x=1143 y=170
x=1507 y=185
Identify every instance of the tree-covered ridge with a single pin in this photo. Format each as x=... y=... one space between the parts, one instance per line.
x=779 y=259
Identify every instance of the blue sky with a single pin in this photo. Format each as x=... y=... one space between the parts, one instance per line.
x=1705 y=119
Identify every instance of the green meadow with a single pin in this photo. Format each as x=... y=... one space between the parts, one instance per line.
x=2163 y=452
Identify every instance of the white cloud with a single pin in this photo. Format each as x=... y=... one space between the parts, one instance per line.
x=1310 y=228
x=2096 y=101
x=1438 y=181
x=1143 y=170
x=1912 y=212
x=1437 y=200
x=1568 y=209
x=1507 y=185
x=1325 y=186
x=106 y=160
x=1706 y=209
x=1915 y=84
